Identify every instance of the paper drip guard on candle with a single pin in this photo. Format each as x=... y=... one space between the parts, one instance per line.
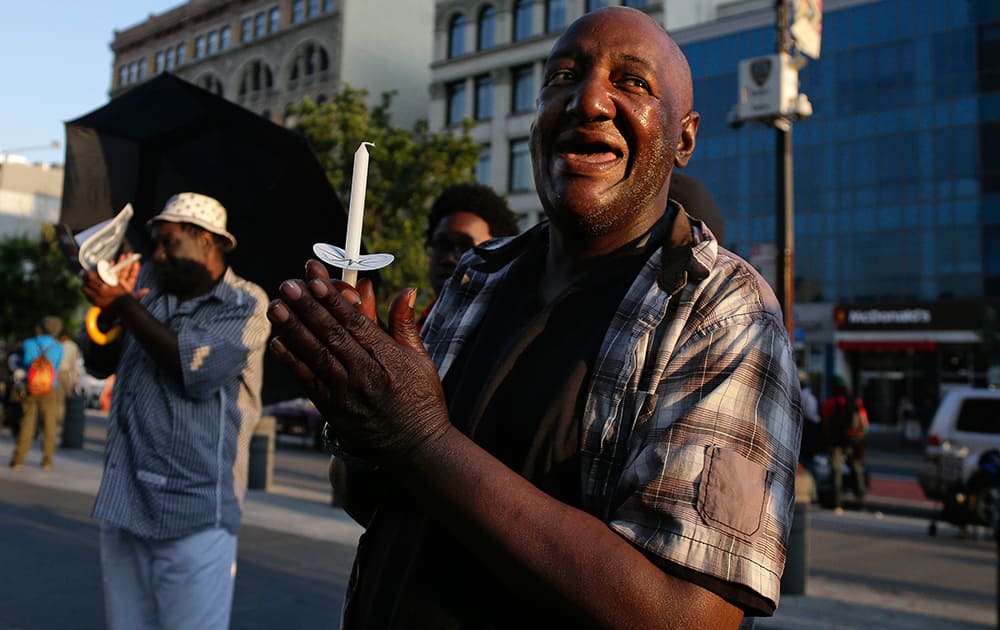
x=109 y=272
x=350 y=258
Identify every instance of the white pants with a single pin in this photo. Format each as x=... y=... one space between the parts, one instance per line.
x=180 y=584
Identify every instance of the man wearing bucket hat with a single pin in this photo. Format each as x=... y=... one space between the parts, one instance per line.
x=187 y=397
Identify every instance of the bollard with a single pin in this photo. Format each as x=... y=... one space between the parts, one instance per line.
x=261 y=466
x=793 y=580
x=74 y=421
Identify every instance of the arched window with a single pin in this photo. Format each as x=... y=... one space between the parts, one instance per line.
x=256 y=78
x=522 y=19
x=308 y=61
x=211 y=83
x=456 y=36
x=487 y=32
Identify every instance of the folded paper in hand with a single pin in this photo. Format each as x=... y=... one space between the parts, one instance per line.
x=102 y=242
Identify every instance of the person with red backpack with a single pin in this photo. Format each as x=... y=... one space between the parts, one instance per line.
x=845 y=423
x=42 y=356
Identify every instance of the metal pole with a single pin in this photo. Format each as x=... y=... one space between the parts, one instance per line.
x=785 y=227
x=784 y=193
x=796 y=574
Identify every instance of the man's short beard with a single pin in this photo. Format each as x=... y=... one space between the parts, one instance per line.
x=184 y=277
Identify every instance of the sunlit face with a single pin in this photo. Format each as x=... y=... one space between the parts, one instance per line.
x=612 y=120
x=453 y=235
x=180 y=258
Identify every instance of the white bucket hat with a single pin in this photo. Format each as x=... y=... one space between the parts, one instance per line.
x=196 y=209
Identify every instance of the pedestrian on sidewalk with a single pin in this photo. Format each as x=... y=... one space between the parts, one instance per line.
x=189 y=366
x=813 y=441
x=603 y=429
x=46 y=405
x=845 y=421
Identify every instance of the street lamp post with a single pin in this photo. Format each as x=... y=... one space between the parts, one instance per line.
x=784 y=193
x=768 y=93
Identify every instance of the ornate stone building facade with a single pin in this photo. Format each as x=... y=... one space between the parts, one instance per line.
x=270 y=54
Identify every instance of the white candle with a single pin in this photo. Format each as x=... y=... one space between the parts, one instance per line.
x=356 y=212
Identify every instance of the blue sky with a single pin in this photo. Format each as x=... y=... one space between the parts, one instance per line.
x=55 y=65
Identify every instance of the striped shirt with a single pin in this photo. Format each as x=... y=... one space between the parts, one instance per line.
x=692 y=420
x=176 y=453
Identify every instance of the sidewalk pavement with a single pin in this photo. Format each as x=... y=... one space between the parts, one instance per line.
x=827 y=605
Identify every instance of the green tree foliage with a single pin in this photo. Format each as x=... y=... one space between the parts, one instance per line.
x=407 y=170
x=35 y=281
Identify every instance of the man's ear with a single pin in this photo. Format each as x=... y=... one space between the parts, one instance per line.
x=207 y=240
x=685 y=146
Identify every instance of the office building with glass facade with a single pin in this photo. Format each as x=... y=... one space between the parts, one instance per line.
x=897 y=216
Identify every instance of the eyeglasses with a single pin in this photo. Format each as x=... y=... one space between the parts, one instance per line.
x=445 y=244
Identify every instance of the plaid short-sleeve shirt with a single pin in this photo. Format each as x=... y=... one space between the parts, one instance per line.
x=177 y=452
x=692 y=420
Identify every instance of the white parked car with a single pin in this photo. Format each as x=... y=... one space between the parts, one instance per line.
x=965 y=425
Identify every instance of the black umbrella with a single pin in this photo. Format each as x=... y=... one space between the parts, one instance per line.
x=167 y=136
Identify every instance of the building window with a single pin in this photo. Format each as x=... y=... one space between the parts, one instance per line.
x=593 y=5
x=522 y=80
x=635 y=4
x=142 y=68
x=456 y=102
x=255 y=79
x=122 y=75
x=555 y=15
x=211 y=83
x=520 y=166
x=522 y=19
x=259 y=25
x=225 y=37
x=213 y=43
x=456 y=36
x=329 y=6
x=484 y=97
x=312 y=9
x=199 y=47
x=307 y=62
x=483 y=166
x=170 y=58
x=160 y=62
x=273 y=20
x=246 y=30
x=487 y=32
x=298 y=11
x=180 y=54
